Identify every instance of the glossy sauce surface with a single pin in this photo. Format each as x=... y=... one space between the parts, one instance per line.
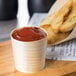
x=28 y=34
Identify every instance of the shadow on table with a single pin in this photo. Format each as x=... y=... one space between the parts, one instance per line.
x=71 y=74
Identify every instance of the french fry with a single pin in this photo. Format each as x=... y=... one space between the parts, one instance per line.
x=59 y=17
x=59 y=25
x=70 y=23
x=53 y=37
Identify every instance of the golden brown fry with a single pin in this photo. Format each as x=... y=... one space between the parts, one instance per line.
x=70 y=23
x=59 y=17
x=57 y=22
x=53 y=37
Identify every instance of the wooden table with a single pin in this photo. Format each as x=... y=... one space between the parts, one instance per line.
x=53 y=68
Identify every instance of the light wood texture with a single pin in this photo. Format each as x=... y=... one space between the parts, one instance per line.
x=53 y=68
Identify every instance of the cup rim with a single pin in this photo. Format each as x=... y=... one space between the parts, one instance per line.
x=28 y=41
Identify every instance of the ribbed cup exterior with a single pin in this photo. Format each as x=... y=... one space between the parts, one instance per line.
x=29 y=56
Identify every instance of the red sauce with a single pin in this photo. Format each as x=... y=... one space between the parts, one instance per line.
x=28 y=34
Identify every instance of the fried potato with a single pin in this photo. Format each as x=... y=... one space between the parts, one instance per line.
x=60 y=16
x=70 y=23
x=60 y=24
x=53 y=37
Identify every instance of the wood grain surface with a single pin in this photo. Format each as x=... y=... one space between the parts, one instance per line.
x=53 y=68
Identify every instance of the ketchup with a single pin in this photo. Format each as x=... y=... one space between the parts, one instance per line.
x=28 y=34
